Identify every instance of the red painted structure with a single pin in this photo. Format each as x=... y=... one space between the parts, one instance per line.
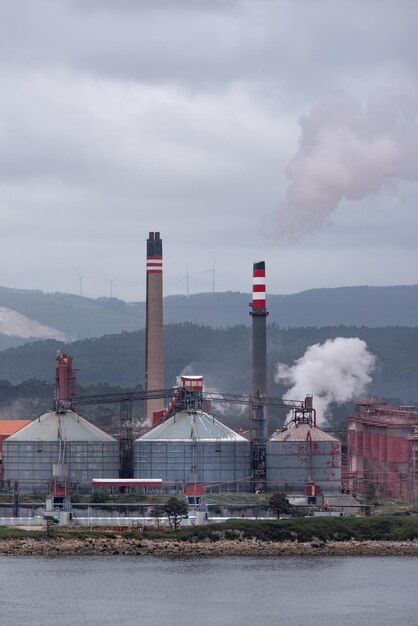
x=9 y=427
x=65 y=382
x=194 y=490
x=193 y=383
x=382 y=446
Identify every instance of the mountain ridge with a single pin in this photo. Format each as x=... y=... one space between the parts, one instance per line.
x=80 y=317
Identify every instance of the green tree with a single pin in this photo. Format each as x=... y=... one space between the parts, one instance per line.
x=156 y=513
x=175 y=509
x=280 y=504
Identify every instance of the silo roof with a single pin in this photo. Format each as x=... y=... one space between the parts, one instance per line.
x=65 y=426
x=300 y=432
x=191 y=426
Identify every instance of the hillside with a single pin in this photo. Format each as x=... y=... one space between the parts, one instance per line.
x=79 y=317
x=221 y=355
x=76 y=316
x=374 y=307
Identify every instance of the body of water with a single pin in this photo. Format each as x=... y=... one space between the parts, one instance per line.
x=149 y=591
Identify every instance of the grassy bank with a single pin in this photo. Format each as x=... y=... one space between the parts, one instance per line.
x=308 y=529
x=384 y=528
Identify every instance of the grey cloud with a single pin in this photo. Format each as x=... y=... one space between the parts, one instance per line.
x=213 y=44
x=121 y=117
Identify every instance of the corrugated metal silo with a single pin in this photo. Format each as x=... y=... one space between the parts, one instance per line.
x=60 y=445
x=303 y=453
x=194 y=447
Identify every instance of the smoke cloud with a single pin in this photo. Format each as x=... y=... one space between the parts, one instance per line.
x=348 y=150
x=335 y=371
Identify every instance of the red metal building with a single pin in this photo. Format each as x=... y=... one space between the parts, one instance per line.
x=383 y=449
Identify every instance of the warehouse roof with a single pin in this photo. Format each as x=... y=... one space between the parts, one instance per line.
x=8 y=427
x=301 y=432
x=189 y=426
x=67 y=426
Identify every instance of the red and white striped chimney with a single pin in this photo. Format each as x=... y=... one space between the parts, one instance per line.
x=259 y=285
x=154 y=263
x=259 y=315
x=154 y=355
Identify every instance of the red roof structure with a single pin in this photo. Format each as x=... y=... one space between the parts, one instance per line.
x=9 y=427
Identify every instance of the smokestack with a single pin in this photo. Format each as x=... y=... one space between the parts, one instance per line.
x=258 y=416
x=154 y=360
x=259 y=314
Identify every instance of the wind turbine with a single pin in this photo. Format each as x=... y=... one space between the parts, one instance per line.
x=111 y=281
x=214 y=273
x=187 y=278
x=80 y=281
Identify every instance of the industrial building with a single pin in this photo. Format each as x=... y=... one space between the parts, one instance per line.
x=193 y=447
x=58 y=450
x=383 y=449
x=185 y=445
x=302 y=458
x=189 y=446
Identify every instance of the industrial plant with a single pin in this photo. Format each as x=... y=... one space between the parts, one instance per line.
x=193 y=447
x=59 y=448
x=383 y=449
x=184 y=447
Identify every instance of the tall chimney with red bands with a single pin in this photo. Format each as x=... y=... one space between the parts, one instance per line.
x=154 y=356
x=259 y=314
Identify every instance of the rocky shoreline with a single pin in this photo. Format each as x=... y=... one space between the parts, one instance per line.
x=59 y=546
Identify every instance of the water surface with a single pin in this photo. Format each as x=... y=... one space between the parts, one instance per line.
x=151 y=591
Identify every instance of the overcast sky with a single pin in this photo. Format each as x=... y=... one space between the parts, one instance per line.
x=283 y=131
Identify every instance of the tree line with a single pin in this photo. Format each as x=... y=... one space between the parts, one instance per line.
x=221 y=355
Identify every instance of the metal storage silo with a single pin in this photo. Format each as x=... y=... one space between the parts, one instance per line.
x=192 y=446
x=300 y=454
x=59 y=445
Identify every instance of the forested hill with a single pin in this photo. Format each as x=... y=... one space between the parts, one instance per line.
x=221 y=355
x=349 y=306
x=79 y=317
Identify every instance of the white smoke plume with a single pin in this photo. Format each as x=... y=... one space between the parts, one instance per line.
x=348 y=150
x=188 y=370
x=335 y=371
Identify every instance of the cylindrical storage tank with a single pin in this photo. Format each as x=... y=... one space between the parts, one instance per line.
x=62 y=446
x=300 y=453
x=194 y=447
